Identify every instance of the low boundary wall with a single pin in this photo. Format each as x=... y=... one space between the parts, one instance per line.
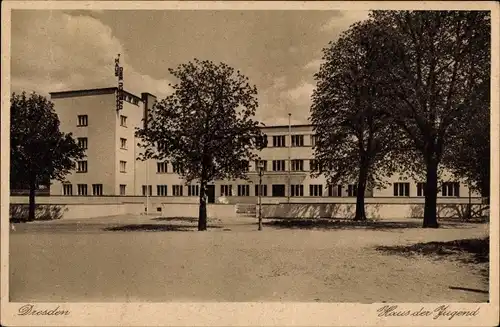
x=78 y=207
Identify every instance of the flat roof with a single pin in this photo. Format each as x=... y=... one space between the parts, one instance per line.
x=84 y=92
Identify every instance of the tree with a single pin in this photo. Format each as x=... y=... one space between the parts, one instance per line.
x=469 y=156
x=353 y=140
x=205 y=126
x=437 y=71
x=38 y=150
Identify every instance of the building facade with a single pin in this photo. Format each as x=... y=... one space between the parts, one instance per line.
x=111 y=167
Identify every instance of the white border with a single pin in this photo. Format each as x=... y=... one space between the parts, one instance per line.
x=244 y=314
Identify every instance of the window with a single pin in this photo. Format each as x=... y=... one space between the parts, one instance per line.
x=122 y=189
x=83 y=120
x=161 y=190
x=193 y=190
x=450 y=189
x=264 y=165
x=297 y=140
x=314 y=165
x=279 y=141
x=335 y=190
x=82 y=189
x=316 y=190
x=177 y=168
x=67 y=189
x=243 y=190
x=297 y=190
x=161 y=167
x=83 y=142
x=123 y=143
x=352 y=190
x=263 y=189
x=401 y=189
x=123 y=166
x=226 y=190
x=123 y=121
x=177 y=190
x=147 y=190
x=278 y=165
x=278 y=190
x=297 y=165
x=314 y=139
x=82 y=166
x=420 y=189
x=96 y=189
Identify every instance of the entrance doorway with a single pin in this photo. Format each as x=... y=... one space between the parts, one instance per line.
x=211 y=193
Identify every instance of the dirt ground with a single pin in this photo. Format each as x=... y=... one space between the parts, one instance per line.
x=159 y=260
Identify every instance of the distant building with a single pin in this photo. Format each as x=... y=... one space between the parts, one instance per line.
x=111 y=168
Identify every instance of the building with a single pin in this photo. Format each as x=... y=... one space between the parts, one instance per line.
x=111 y=168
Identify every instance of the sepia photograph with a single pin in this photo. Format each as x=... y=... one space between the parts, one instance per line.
x=301 y=155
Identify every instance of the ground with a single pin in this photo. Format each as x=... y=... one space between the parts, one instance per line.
x=118 y=259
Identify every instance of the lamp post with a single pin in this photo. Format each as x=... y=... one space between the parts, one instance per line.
x=260 y=167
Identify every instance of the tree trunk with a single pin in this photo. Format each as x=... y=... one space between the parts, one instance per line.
x=32 y=204
x=430 y=208
x=202 y=217
x=360 y=196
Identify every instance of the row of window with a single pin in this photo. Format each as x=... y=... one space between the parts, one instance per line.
x=400 y=189
x=296 y=140
x=82 y=189
x=83 y=142
x=83 y=167
x=83 y=120
x=447 y=189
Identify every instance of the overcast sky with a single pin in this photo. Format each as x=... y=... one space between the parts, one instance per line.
x=278 y=50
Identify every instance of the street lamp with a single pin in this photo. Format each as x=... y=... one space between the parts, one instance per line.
x=260 y=168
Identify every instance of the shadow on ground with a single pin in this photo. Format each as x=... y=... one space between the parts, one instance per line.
x=185 y=219
x=369 y=224
x=467 y=251
x=155 y=228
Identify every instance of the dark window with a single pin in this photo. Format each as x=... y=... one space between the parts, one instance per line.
x=401 y=189
x=96 y=189
x=420 y=189
x=123 y=189
x=278 y=189
x=226 y=190
x=161 y=190
x=297 y=140
x=352 y=190
x=263 y=188
x=243 y=190
x=297 y=165
x=147 y=190
x=83 y=142
x=316 y=190
x=177 y=190
x=278 y=165
x=83 y=120
x=450 y=189
x=279 y=141
x=67 y=189
x=82 y=189
x=335 y=190
x=161 y=167
x=297 y=190
x=193 y=190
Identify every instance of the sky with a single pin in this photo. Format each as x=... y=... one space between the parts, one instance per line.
x=279 y=51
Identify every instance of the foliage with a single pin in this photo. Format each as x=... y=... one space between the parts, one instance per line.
x=469 y=157
x=435 y=73
x=39 y=151
x=205 y=126
x=354 y=142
